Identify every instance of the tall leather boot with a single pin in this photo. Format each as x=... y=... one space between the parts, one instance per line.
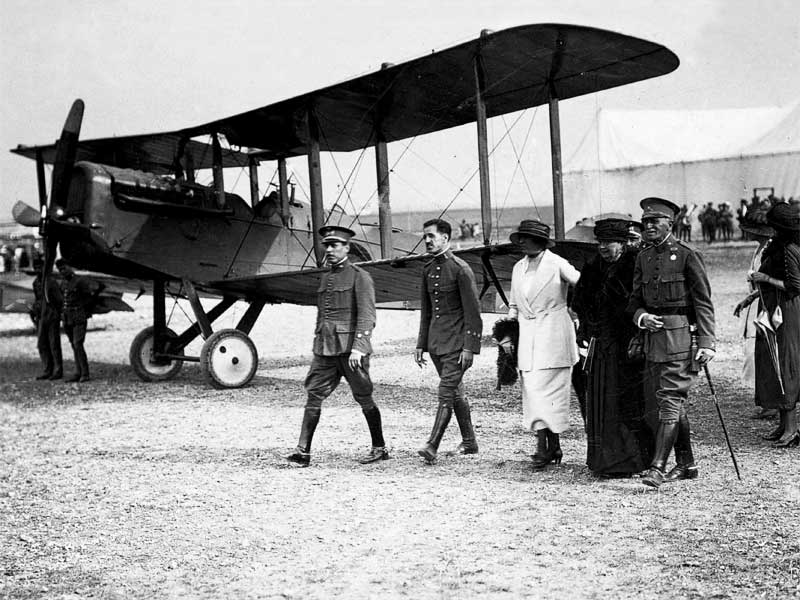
x=429 y=450
x=542 y=456
x=302 y=454
x=554 y=447
x=468 y=443
x=378 y=451
x=82 y=363
x=665 y=439
x=55 y=345
x=684 y=457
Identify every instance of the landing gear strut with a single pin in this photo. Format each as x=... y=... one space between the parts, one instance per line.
x=228 y=358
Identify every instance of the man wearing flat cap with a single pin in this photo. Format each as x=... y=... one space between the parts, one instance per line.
x=547 y=348
x=450 y=329
x=345 y=320
x=671 y=302
x=619 y=439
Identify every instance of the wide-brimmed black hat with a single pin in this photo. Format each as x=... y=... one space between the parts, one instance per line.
x=611 y=230
x=784 y=216
x=533 y=229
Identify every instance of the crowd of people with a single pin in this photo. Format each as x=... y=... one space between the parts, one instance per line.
x=17 y=258
x=638 y=329
x=717 y=222
x=629 y=332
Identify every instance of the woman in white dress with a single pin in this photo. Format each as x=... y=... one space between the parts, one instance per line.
x=547 y=349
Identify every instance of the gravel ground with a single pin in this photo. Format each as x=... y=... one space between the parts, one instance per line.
x=122 y=489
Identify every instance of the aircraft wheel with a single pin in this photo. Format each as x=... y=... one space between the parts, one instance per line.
x=141 y=357
x=228 y=359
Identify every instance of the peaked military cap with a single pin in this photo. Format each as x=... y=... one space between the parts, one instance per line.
x=658 y=207
x=336 y=233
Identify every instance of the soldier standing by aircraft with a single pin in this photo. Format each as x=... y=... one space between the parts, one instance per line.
x=46 y=314
x=345 y=320
x=450 y=330
x=78 y=301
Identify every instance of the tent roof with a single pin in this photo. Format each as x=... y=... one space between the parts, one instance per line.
x=634 y=138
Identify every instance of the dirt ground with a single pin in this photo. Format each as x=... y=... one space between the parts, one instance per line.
x=123 y=489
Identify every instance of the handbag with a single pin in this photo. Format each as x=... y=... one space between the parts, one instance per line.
x=636 y=347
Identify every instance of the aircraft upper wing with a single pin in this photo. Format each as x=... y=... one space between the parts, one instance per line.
x=437 y=91
x=519 y=67
x=395 y=279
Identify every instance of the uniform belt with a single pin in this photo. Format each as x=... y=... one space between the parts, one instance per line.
x=670 y=310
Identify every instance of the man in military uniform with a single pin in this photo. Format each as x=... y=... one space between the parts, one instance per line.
x=46 y=314
x=671 y=300
x=345 y=320
x=79 y=296
x=450 y=331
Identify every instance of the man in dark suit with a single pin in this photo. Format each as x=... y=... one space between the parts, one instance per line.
x=671 y=300
x=450 y=331
x=345 y=320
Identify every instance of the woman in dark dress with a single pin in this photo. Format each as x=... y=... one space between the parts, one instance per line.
x=778 y=281
x=619 y=439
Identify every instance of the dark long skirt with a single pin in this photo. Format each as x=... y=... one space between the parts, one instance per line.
x=620 y=439
x=787 y=340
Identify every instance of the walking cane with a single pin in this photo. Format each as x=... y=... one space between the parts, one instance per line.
x=721 y=420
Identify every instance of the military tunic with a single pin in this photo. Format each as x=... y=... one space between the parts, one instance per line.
x=76 y=310
x=450 y=321
x=345 y=320
x=670 y=281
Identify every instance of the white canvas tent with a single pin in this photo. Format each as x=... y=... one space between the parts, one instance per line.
x=687 y=156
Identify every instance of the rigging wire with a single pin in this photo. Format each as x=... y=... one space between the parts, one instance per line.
x=518 y=166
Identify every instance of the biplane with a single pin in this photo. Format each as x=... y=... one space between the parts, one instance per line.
x=132 y=207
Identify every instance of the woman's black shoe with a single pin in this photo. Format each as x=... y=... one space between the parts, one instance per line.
x=794 y=440
x=773 y=435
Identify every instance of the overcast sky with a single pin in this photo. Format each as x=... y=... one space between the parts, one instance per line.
x=145 y=66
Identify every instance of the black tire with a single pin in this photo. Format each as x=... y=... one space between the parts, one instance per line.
x=229 y=359
x=140 y=354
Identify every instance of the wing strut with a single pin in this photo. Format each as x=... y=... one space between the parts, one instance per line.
x=555 y=140
x=483 y=146
x=252 y=163
x=384 y=207
x=382 y=171
x=315 y=184
x=283 y=190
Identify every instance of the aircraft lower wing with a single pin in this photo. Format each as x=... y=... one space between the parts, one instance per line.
x=396 y=280
x=16 y=292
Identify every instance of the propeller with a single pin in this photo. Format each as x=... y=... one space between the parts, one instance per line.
x=66 y=151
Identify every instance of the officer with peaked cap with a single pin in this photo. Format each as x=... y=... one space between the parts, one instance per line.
x=345 y=320
x=671 y=302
